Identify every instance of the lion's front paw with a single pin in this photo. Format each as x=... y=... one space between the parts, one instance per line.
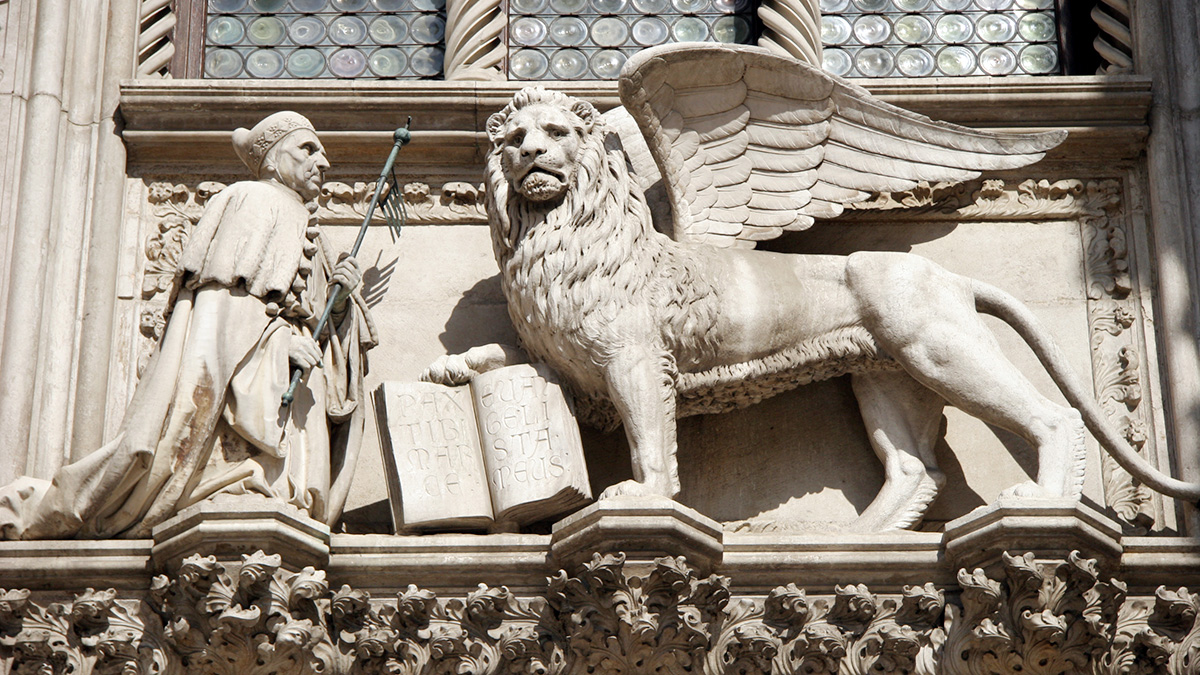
x=634 y=488
x=1027 y=490
x=451 y=369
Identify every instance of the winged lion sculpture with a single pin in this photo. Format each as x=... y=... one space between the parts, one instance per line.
x=648 y=327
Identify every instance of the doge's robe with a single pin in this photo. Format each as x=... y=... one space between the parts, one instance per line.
x=206 y=418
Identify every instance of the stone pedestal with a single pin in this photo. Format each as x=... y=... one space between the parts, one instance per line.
x=1049 y=528
x=231 y=526
x=644 y=528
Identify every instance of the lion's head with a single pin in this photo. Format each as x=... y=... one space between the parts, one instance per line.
x=538 y=137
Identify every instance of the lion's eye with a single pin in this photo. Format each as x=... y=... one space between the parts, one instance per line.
x=558 y=133
x=516 y=139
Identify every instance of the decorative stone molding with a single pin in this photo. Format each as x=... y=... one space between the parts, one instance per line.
x=474 y=50
x=990 y=199
x=1031 y=616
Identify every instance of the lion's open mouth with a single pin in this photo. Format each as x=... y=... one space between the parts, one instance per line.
x=541 y=184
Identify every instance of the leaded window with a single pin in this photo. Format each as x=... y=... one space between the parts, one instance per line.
x=591 y=39
x=923 y=38
x=324 y=38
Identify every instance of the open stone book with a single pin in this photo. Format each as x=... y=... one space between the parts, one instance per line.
x=500 y=452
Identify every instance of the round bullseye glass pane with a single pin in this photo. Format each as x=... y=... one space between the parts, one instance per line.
x=609 y=32
x=528 y=31
x=388 y=29
x=956 y=60
x=609 y=6
x=348 y=5
x=607 y=63
x=914 y=62
x=997 y=61
x=347 y=30
x=689 y=29
x=731 y=29
x=528 y=64
x=306 y=30
x=1037 y=27
x=1035 y=4
x=428 y=29
x=568 y=6
x=388 y=5
x=306 y=6
x=428 y=5
x=996 y=28
x=527 y=6
x=305 y=63
x=266 y=30
x=836 y=61
x=219 y=6
x=568 y=31
x=265 y=63
x=347 y=63
x=835 y=30
x=650 y=30
x=834 y=6
x=730 y=6
x=568 y=64
x=1039 y=59
x=690 y=6
x=911 y=5
x=993 y=5
x=953 y=5
x=914 y=29
x=387 y=62
x=225 y=30
x=427 y=61
x=872 y=5
x=651 y=6
x=874 y=62
x=268 y=6
x=222 y=63
x=872 y=29
x=954 y=28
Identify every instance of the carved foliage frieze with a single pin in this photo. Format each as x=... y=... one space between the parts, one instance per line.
x=1030 y=617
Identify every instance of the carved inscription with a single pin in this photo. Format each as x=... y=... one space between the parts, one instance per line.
x=515 y=419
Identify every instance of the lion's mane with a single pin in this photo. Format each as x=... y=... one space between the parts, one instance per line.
x=575 y=264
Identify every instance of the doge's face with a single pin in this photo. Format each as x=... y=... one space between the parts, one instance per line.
x=539 y=151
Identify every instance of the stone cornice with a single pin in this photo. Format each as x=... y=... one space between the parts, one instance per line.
x=187 y=122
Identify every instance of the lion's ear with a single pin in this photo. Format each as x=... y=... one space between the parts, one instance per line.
x=495 y=126
x=586 y=112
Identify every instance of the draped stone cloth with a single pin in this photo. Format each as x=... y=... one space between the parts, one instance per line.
x=206 y=418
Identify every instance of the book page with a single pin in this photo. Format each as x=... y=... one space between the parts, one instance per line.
x=431 y=448
x=530 y=442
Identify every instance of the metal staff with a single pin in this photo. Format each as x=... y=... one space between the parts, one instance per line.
x=393 y=214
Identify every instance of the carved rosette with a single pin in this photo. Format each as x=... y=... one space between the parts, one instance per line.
x=1030 y=618
x=1113 y=308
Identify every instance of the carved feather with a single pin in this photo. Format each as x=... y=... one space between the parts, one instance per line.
x=749 y=143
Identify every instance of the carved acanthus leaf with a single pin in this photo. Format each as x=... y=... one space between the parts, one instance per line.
x=1039 y=616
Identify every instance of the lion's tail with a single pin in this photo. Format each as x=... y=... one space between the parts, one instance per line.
x=992 y=300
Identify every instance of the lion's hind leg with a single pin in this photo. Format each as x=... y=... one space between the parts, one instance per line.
x=902 y=417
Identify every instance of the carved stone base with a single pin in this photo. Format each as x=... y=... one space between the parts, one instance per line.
x=1048 y=528
x=230 y=526
x=644 y=528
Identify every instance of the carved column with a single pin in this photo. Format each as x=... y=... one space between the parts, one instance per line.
x=474 y=50
x=792 y=28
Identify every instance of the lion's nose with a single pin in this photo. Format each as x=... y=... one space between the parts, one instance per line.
x=533 y=145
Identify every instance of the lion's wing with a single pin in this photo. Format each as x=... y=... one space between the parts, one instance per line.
x=750 y=143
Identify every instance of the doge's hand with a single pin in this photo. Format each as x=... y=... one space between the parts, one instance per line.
x=347 y=275
x=451 y=369
x=303 y=352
